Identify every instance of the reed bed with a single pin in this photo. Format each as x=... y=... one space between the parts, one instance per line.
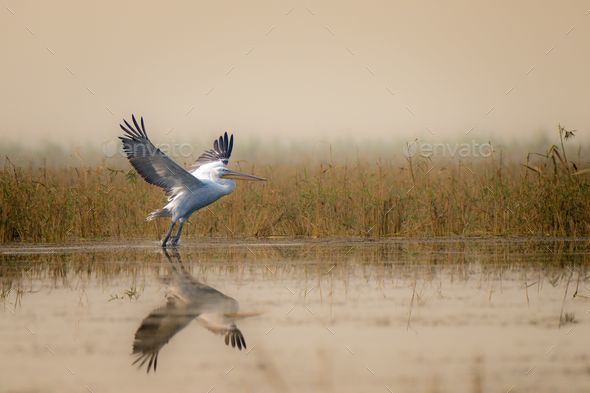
x=545 y=194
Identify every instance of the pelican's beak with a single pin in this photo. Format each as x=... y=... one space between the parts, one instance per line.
x=230 y=174
x=242 y=315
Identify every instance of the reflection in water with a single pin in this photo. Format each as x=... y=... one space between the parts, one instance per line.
x=400 y=315
x=186 y=300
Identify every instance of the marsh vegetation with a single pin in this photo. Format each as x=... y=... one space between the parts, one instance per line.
x=541 y=194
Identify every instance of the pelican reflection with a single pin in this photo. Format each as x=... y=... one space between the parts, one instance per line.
x=186 y=299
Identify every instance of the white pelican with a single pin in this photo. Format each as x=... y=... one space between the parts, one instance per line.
x=187 y=299
x=187 y=192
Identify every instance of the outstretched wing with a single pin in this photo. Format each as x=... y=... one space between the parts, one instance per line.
x=221 y=151
x=156 y=330
x=152 y=164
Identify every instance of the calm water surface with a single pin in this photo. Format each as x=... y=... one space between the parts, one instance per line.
x=397 y=316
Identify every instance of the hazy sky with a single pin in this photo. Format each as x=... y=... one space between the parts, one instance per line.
x=70 y=70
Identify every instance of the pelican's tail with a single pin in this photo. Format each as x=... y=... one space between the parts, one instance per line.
x=158 y=213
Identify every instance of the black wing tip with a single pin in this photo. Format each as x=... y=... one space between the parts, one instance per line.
x=222 y=149
x=143 y=357
x=236 y=339
x=231 y=145
x=224 y=145
x=124 y=129
x=136 y=130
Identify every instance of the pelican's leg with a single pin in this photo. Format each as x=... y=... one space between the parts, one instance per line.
x=176 y=239
x=168 y=234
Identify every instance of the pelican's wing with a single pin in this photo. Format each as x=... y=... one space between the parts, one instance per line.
x=221 y=151
x=152 y=164
x=156 y=330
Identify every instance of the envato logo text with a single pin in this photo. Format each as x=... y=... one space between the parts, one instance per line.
x=471 y=149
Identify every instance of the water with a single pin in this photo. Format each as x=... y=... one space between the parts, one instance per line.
x=403 y=316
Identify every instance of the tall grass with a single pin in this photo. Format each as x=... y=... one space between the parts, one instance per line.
x=545 y=195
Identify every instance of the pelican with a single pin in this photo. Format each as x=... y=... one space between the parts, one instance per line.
x=187 y=192
x=187 y=299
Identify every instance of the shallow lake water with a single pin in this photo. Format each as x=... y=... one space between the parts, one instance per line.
x=395 y=316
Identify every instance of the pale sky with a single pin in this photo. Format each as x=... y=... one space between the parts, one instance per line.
x=319 y=71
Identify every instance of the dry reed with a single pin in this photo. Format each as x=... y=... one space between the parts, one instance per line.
x=548 y=195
